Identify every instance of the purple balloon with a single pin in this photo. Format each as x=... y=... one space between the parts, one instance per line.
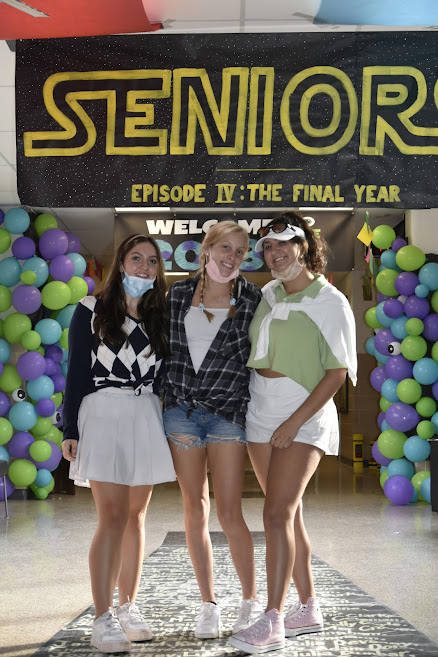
x=74 y=243
x=45 y=407
x=377 y=377
x=398 y=489
x=18 y=446
x=378 y=456
x=26 y=299
x=58 y=382
x=2 y=216
x=54 y=352
x=398 y=368
x=23 y=248
x=52 y=243
x=416 y=307
x=393 y=308
x=51 y=462
x=380 y=419
x=31 y=365
x=430 y=331
x=435 y=390
x=398 y=243
x=5 y=404
x=406 y=282
x=383 y=339
x=380 y=297
x=9 y=489
x=50 y=367
x=62 y=268
x=401 y=417
x=57 y=370
x=90 y=284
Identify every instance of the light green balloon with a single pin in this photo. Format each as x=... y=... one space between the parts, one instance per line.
x=383 y=477
x=390 y=443
x=2 y=328
x=426 y=407
x=57 y=399
x=63 y=340
x=5 y=240
x=55 y=295
x=413 y=347
x=5 y=298
x=28 y=277
x=371 y=319
x=414 y=326
x=10 y=380
x=43 y=222
x=385 y=282
x=16 y=324
x=40 y=492
x=31 y=340
x=54 y=435
x=418 y=479
x=434 y=301
x=78 y=288
x=409 y=391
x=383 y=236
x=41 y=350
x=40 y=450
x=41 y=427
x=384 y=404
x=6 y=431
x=425 y=429
x=434 y=352
x=410 y=258
x=22 y=472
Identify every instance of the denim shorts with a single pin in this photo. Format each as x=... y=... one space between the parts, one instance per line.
x=200 y=429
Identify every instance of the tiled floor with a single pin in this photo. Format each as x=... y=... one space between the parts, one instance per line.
x=391 y=552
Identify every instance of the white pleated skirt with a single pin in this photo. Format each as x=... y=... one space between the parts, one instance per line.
x=122 y=440
x=272 y=401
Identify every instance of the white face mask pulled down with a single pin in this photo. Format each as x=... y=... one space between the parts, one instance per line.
x=288 y=274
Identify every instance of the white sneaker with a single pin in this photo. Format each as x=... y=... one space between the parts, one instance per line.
x=133 y=623
x=107 y=635
x=249 y=612
x=209 y=621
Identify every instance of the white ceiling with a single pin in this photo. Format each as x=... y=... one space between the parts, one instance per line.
x=95 y=226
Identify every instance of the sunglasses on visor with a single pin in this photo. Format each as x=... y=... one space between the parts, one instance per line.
x=277 y=226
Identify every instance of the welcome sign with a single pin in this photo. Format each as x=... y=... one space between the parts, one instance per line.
x=229 y=120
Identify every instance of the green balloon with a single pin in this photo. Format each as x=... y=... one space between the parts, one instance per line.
x=426 y=407
x=40 y=450
x=5 y=298
x=410 y=258
x=6 y=431
x=371 y=319
x=78 y=288
x=40 y=492
x=41 y=351
x=28 y=277
x=31 y=340
x=434 y=352
x=414 y=326
x=409 y=391
x=413 y=347
x=5 y=240
x=390 y=443
x=418 y=479
x=425 y=429
x=41 y=427
x=385 y=282
x=434 y=301
x=2 y=328
x=384 y=404
x=56 y=295
x=383 y=236
x=54 y=435
x=22 y=472
x=57 y=399
x=43 y=222
x=10 y=380
x=16 y=324
x=383 y=477
x=63 y=340
x=50 y=486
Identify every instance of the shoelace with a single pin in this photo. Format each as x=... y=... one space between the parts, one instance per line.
x=247 y=611
x=296 y=608
x=207 y=611
x=135 y=614
x=258 y=628
x=112 y=625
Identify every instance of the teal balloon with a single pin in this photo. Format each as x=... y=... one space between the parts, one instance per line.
x=388 y=259
x=421 y=291
x=4 y=454
x=23 y=416
x=416 y=449
x=64 y=316
x=389 y=390
x=10 y=271
x=40 y=267
x=381 y=317
x=40 y=388
x=17 y=221
x=401 y=467
x=428 y=275
x=425 y=489
x=398 y=327
x=5 y=351
x=79 y=263
x=369 y=346
x=43 y=478
x=49 y=330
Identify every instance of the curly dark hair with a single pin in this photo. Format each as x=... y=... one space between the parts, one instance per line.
x=315 y=249
x=111 y=309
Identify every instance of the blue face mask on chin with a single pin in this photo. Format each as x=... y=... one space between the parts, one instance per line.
x=136 y=287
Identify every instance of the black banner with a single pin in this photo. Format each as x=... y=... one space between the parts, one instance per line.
x=229 y=120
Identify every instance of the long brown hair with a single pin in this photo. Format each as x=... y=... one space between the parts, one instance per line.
x=112 y=308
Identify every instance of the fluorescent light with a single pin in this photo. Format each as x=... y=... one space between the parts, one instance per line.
x=326 y=209
x=177 y=273
x=142 y=209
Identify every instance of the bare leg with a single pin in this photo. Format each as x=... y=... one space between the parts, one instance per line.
x=112 y=504
x=133 y=544
x=191 y=471
x=227 y=467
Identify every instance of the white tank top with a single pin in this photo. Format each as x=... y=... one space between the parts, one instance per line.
x=201 y=333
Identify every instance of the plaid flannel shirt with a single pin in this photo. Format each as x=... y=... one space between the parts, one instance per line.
x=221 y=384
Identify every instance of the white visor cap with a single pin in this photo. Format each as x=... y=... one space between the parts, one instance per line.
x=287 y=234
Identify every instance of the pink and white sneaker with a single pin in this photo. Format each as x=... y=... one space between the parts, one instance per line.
x=303 y=619
x=266 y=634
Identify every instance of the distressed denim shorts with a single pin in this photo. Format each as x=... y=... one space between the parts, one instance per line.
x=200 y=429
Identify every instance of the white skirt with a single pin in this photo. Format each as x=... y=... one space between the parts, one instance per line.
x=122 y=440
x=272 y=401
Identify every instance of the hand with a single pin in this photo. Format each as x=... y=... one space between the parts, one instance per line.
x=284 y=435
x=69 y=449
